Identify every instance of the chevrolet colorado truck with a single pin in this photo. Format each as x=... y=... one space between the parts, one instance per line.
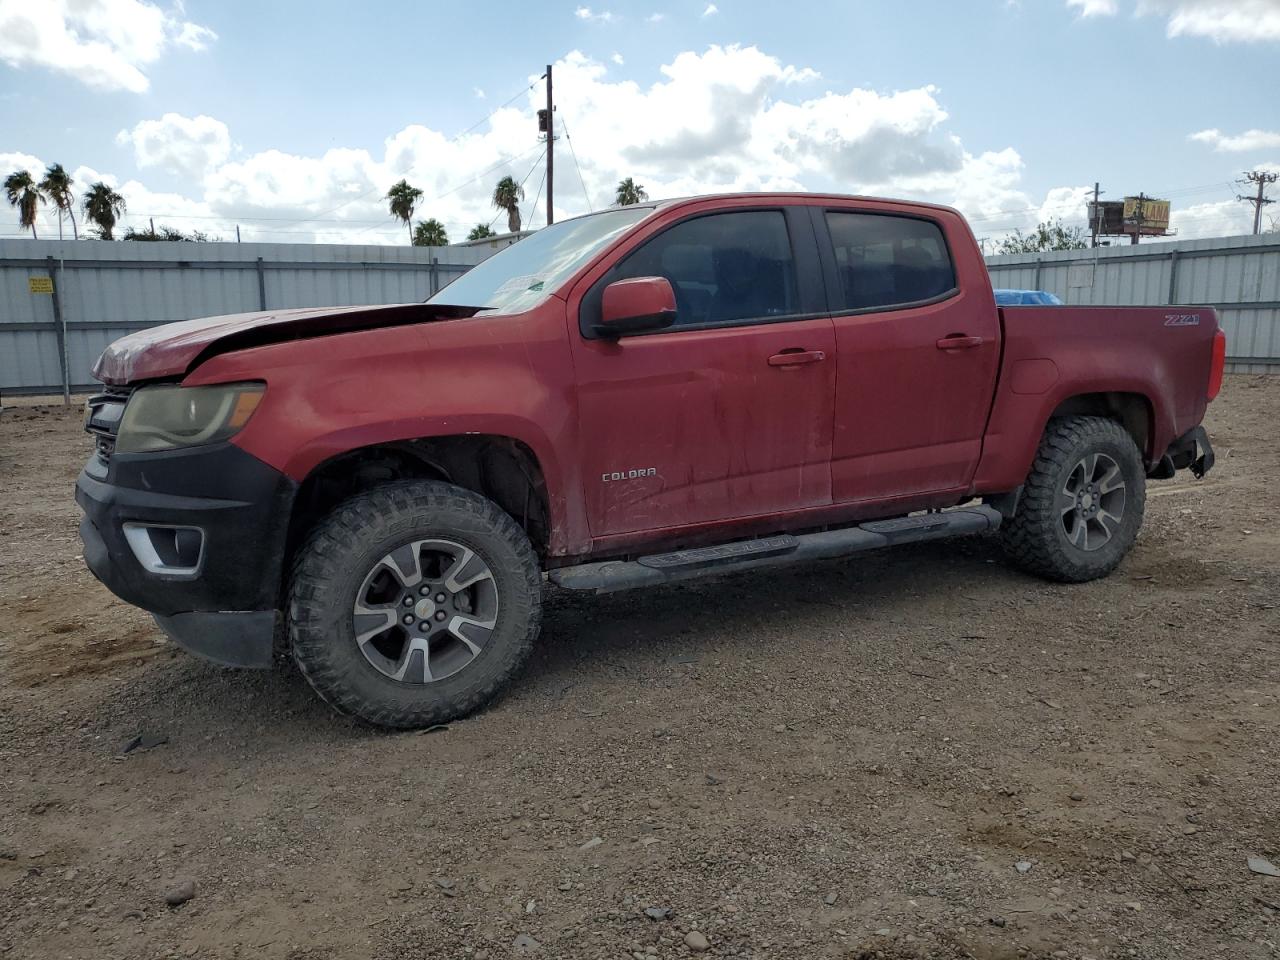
x=629 y=398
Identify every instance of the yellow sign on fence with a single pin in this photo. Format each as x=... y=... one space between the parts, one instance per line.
x=40 y=284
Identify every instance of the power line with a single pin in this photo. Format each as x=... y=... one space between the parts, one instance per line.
x=533 y=209
x=536 y=149
x=478 y=176
x=574 y=153
x=295 y=226
x=505 y=103
x=244 y=218
x=1167 y=194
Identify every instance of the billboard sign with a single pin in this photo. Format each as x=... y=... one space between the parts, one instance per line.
x=1155 y=214
x=1119 y=218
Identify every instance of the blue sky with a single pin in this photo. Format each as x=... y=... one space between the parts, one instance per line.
x=291 y=118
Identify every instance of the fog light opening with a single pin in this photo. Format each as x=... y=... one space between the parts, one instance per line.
x=171 y=551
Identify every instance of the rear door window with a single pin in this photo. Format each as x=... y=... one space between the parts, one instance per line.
x=725 y=268
x=888 y=261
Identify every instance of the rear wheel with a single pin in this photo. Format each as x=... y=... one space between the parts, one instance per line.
x=1082 y=504
x=414 y=604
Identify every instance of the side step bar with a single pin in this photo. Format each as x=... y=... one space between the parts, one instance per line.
x=610 y=575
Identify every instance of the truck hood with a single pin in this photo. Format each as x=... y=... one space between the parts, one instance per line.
x=173 y=349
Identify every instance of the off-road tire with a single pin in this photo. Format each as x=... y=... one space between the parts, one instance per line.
x=329 y=569
x=1035 y=538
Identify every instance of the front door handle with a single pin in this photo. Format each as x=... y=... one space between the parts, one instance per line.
x=959 y=342
x=793 y=358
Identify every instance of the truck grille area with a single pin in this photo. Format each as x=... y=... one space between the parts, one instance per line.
x=102 y=422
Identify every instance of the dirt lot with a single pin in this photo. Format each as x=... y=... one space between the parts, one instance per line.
x=842 y=761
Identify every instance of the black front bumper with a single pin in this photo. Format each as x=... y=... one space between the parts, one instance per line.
x=226 y=608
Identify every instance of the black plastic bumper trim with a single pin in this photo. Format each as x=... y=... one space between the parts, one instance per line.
x=241 y=504
x=1191 y=450
x=228 y=638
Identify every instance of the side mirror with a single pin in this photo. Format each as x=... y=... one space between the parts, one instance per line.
x=636 y=306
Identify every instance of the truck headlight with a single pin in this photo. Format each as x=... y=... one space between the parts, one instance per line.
x=168 y=416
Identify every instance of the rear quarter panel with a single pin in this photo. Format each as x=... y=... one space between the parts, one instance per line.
x=1052 y=354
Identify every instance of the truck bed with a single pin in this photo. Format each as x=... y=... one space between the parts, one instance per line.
x=1159 y=354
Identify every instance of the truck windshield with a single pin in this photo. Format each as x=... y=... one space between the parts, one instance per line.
x=518 y=277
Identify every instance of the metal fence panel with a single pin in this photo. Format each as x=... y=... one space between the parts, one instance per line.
x=31 y=354
x=105 y=290
x=1238 y=275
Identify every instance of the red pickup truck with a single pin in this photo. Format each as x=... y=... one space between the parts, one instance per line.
x=634 y=397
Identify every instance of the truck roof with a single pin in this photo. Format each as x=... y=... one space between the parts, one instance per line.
x=774 y=197
x=797 y=195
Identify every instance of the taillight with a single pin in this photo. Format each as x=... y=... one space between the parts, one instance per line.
x=1217 y=364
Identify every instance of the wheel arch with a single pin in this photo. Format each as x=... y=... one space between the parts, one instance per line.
x=1134 y=412
x=498 y=467
x=1018 y=423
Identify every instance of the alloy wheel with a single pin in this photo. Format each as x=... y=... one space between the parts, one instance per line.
x=1091 y=502
x=425 y=610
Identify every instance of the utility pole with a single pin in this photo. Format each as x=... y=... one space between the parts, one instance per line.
x=551 y=139
x=1139 y=217
x=1095 y=221
x=1262 y=178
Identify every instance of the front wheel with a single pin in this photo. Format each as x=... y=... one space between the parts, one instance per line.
x=1082 y=504
x=414 y=604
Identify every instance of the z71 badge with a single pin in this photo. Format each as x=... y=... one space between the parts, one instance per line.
x=1182 y=319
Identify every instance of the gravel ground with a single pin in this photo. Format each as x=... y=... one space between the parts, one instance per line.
x=917 y=754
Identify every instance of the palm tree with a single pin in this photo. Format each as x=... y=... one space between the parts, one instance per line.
x=103 y=205
x=403 y=199
x=24 y=193
x=430 y=233
x=630 y=192
x=56 y=185
x=480 y=231
x=507 y=196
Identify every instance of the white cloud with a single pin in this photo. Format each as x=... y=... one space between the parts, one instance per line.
x=479 y=93
x=182 y=145
x=194 y=37
x=16 y=162
x=1248 y=141
x=1216 y=219
x=1095 y=8
x=723 y=119
x=711 y=10
x=655 y=17
x=1223 y=21
x=103 y=43
x=617 y=58
x=586 y=13
x=728 y=118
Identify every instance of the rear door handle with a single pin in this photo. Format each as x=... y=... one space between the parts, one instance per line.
x=792 y=358
x=958 y=342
